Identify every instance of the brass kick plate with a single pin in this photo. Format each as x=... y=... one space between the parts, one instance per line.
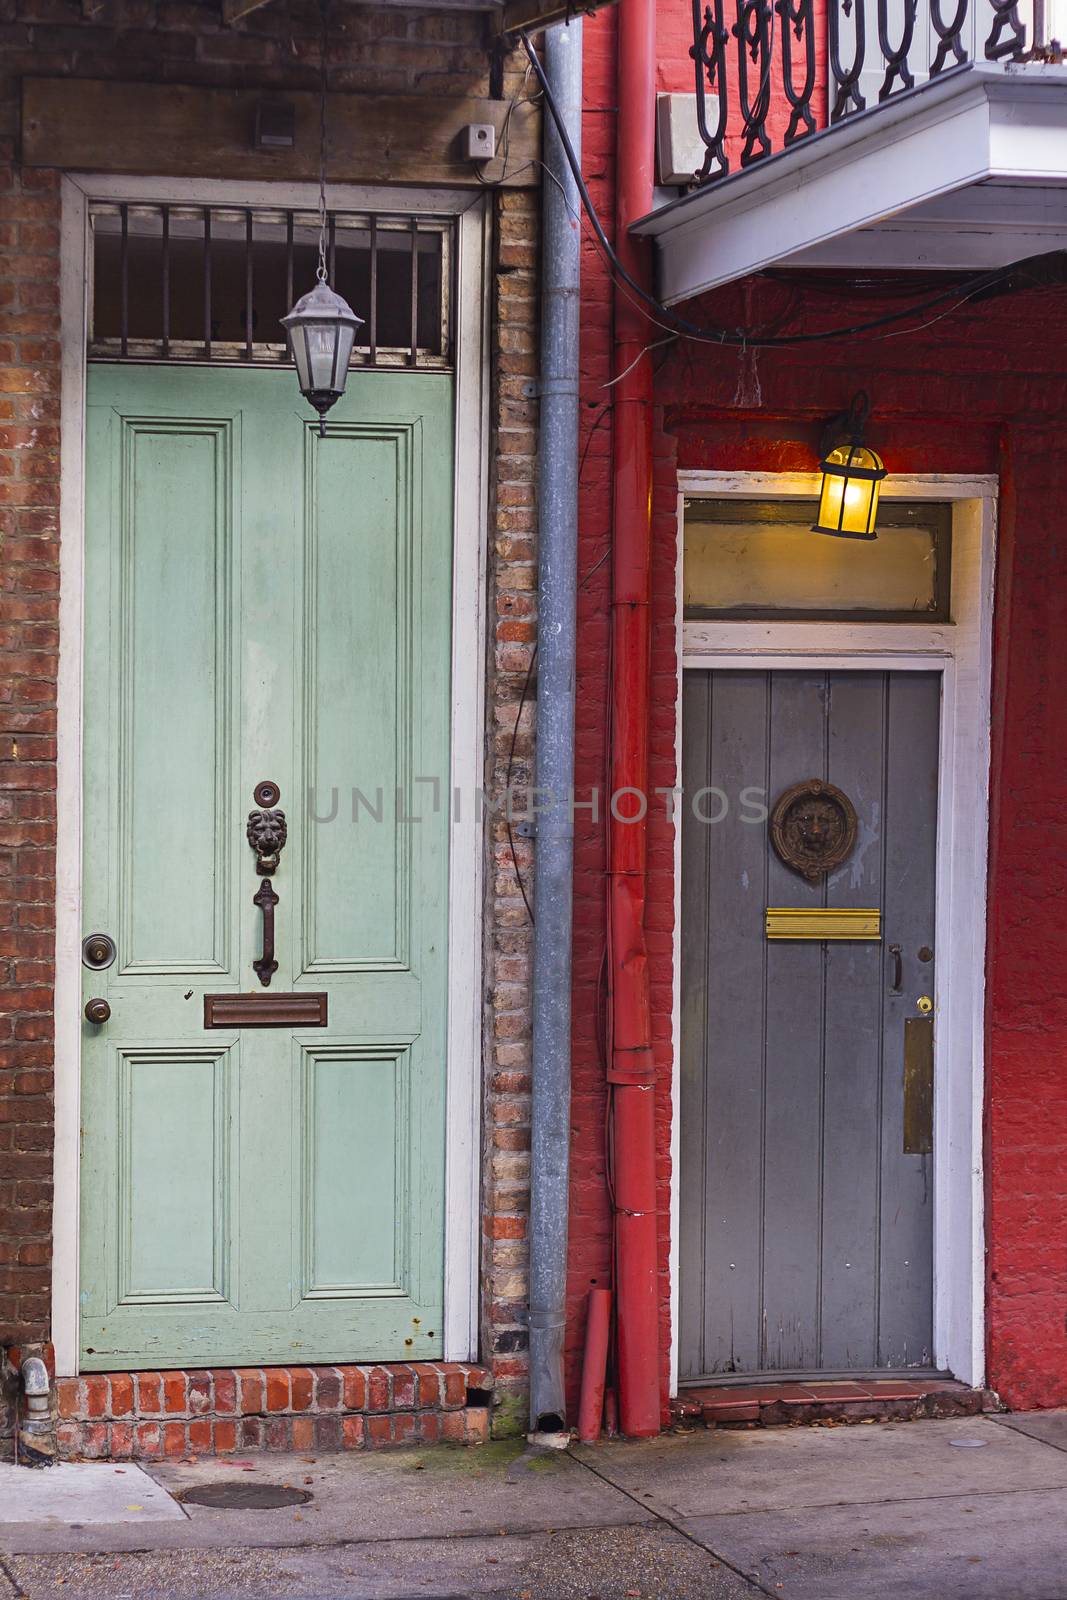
x=918 y=1086
x=816 y=922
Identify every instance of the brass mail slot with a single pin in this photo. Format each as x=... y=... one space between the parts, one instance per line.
x=304 y=1010
x=820 y=922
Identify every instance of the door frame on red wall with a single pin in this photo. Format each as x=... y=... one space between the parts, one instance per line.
x=962 y=652
x=472 y=391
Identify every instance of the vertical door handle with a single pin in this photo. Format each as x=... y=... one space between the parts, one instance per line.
x=897 y=985
x=266 y=833
x=265 y=965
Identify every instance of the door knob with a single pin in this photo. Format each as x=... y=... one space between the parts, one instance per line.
x=97 y=1011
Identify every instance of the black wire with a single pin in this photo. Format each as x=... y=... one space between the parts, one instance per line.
x=669 y=318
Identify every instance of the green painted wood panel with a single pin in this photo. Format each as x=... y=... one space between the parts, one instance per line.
x=263 y=604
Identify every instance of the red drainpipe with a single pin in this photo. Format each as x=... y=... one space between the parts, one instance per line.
x=631 y=1073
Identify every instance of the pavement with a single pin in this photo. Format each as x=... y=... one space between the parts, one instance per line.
x=961 y=1509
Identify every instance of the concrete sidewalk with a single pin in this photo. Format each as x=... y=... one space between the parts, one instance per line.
x=963 y=1509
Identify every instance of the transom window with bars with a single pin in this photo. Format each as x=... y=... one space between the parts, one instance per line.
x=210 y=284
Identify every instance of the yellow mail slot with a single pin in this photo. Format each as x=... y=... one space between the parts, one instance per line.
x=817 y=922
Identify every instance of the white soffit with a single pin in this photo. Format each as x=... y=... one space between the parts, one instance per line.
x=966 y=172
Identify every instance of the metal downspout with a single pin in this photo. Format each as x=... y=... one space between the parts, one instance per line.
x=553 y=864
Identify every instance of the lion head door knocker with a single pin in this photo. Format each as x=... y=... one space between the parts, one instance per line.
x=266 y=834
x=813 y=828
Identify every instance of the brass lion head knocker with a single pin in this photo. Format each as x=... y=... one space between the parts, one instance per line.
x=813 y=828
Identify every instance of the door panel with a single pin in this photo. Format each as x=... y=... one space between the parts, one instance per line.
x=806 y=1235
x=262 y=604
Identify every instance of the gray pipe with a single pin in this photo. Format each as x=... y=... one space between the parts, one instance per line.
x=553 y=865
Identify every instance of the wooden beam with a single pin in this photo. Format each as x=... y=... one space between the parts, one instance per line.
x=234 y=10
x=91 y=126
x=523 y=16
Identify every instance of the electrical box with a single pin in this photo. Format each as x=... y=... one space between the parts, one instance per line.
x=680 y=150
x=479 y=141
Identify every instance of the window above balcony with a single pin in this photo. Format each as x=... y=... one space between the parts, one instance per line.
x=879 y=134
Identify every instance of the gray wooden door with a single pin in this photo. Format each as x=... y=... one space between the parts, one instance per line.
x=806 y=1225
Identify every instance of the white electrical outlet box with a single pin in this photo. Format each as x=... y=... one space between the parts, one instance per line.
x=680 y=150
x=479 y=141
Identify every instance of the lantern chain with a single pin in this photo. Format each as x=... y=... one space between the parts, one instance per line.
x=322 y=272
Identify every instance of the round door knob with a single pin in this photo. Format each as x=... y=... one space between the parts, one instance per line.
x=97 y=1011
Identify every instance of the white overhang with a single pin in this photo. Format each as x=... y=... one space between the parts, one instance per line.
x=965 y=172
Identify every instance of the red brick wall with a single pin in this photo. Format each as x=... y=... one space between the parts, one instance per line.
x=382 y=50
x=29 y=638
x=981 y=390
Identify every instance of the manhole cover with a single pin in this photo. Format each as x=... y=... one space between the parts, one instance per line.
x=244 y=1496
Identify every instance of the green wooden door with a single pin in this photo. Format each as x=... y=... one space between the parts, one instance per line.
x=265 y=605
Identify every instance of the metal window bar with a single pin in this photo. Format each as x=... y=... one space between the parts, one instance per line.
x=249 y=287
x=165 y=306
x=245 y=256
x=207 y=283
x=372 y=319
x=124 y=270
x=414 y=298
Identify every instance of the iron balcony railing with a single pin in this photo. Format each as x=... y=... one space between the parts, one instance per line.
x=772 y=72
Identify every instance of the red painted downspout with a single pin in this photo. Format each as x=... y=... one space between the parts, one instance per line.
x=631 y=1072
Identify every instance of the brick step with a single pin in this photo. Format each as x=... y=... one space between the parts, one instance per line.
x=219 y=1410
x=769 y=1405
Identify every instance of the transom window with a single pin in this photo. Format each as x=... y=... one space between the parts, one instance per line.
x=207 y=283
x=759 y=559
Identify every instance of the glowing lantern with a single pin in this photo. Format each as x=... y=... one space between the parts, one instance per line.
x=852 y=476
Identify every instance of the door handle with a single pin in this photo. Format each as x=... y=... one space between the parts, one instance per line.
x=265 y=965
x=266 y=832
x=897 y=985
x=97 y=1011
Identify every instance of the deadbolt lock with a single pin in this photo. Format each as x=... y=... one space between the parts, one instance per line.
x=924 y=1004
x=98 y=951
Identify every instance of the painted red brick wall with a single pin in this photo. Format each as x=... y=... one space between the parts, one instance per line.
x=980 y=390
x=590 y=1247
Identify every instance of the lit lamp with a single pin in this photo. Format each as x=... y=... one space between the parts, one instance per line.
x=321 y=327
x=852 y=476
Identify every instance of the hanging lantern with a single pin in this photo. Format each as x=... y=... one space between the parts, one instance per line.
x=852 y=476
x=321 y=327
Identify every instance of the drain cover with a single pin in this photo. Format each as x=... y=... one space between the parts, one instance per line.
x=240 y=1495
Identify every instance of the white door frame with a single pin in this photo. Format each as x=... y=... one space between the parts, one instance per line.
x=462 y=1176
x=961 y=651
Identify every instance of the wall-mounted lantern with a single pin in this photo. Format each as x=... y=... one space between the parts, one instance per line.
x=852 y=476
x=321 y=327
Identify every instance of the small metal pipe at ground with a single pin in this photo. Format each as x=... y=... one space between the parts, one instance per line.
x=553 y=862
x=594 y=1365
